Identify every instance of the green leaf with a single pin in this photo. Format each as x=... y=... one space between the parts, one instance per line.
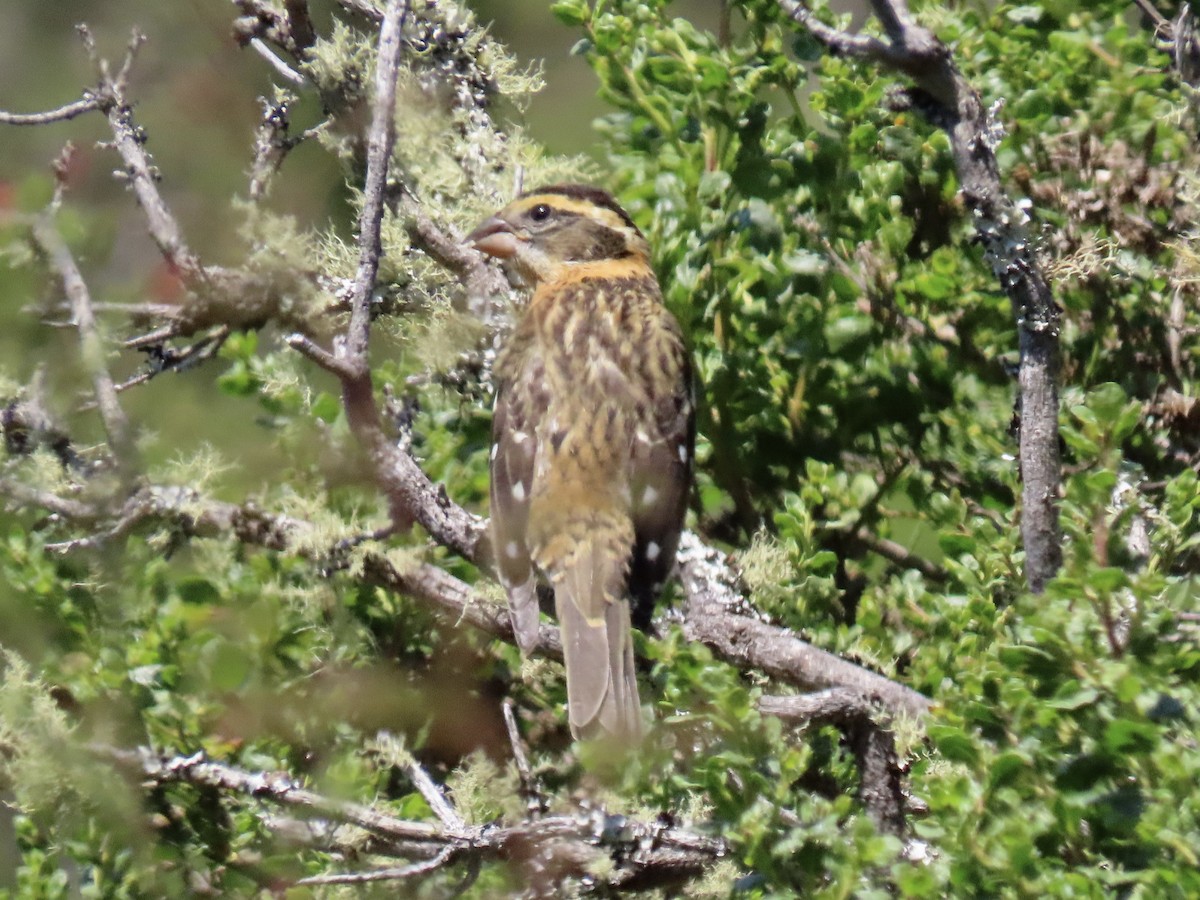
x=570 y=12
x=1126 y=736
x=198 y=590
x=846 y=330
x=953 y=744
x=326 y=407
x=1108 y=579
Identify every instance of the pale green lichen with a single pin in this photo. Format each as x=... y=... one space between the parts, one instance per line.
x=717 y=882
x=482 y=791
x=42 y=470
x=35 y=736
x=280 y=256
x=765 y=564
x=200 y=470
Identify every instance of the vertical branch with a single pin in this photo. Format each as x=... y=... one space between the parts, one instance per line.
x=412 y=496
x=949 y=101
x=381 y=139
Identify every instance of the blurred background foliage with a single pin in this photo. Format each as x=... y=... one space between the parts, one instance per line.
x=856 y=356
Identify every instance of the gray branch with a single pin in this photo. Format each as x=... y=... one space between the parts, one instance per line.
x=951 y=103
x=86 y=103
x=142 y=177
x=91 y=347
x=630 y=853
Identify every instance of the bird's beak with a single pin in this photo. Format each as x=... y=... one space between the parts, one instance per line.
x=495 y=237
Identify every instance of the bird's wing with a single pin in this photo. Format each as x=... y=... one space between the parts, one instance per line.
x=513 y=457
x=660 y=476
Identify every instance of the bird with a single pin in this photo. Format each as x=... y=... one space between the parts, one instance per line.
x=593 y=436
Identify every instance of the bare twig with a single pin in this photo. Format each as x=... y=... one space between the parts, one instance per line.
x=276 y=63
x=951 y=103
x=485 y=284
x=272 y=142
x=530 y=787
x=628 y=851
x=899 y=554
x=141 y=175
x=514 y=739
x=88 y=102
x=397 y=873
x=28 y=496
x=291 y=30
x=304 y=35
x=306 y=346
x=116 y=424
x=274 y=786
x=434 y=797
x=381 y=139
x=843 y=42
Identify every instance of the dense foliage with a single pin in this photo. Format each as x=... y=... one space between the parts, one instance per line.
x=855 y=354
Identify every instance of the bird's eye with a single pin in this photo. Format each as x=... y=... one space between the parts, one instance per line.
x=540 y=213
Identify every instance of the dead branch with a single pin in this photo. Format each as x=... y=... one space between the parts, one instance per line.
x=536 y=801
x=899 y=554
x=485 y=284
x=23 y=495
x=836 y=705
x=28 y=426
x=950 y=102
x=880 y=788
x=140 y=174
x=291 y=30
x=218 y=296
x=88 y=102
x=412 y=496
x=715 y=613
x=553 y=849
x=91 y=347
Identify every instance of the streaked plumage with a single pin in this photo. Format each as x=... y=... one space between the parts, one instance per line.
x=593 y=435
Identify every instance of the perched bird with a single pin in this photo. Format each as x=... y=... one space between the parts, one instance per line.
x=593 y=432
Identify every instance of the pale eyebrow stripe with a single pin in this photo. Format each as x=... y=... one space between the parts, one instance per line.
x=576 y=207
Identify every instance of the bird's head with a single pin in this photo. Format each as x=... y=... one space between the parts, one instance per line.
x=562 y=225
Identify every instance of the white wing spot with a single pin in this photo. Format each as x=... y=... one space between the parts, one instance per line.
x=649 y=495
x=518 y=492
x=495 y=450
x=512 y=551
x=683 y=453
x=520 y=437
x=643 y=436
x=652 y=551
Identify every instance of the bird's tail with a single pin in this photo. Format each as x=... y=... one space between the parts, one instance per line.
x=597 y=637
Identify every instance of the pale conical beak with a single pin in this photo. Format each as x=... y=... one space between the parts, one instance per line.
x=494 y=237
